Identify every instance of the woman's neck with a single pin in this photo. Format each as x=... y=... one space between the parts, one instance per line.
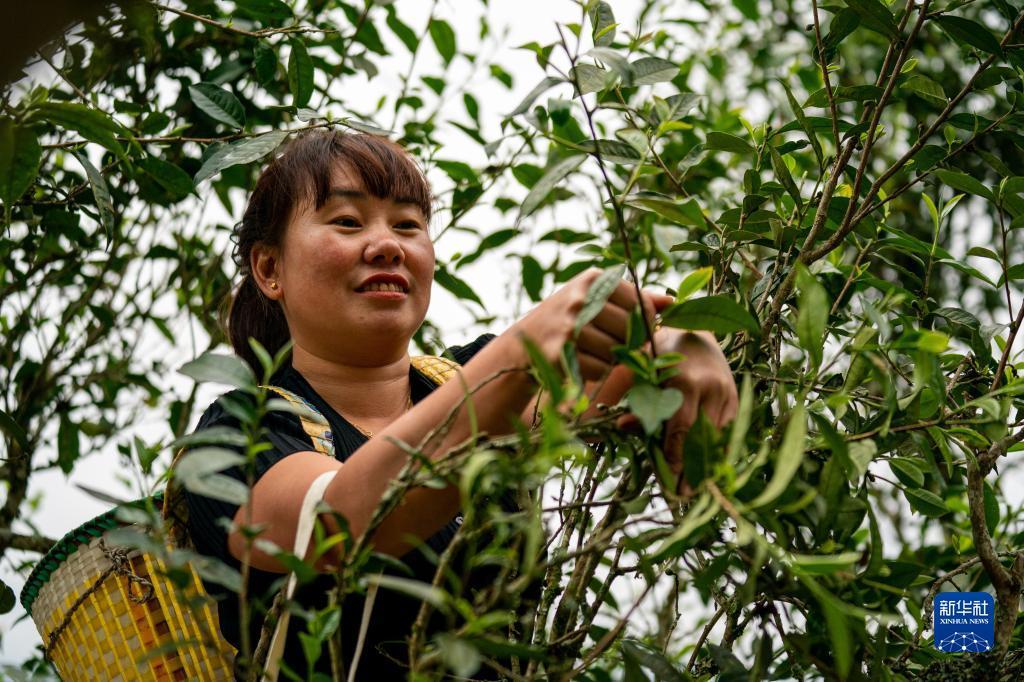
x=370 y=396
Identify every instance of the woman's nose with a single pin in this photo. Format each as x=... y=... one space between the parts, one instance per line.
x=383 y=247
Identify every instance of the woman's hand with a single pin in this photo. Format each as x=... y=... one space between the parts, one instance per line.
x=706 y=382
x=552 y=323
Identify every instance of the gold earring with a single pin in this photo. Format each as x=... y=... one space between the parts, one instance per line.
x=273 y=285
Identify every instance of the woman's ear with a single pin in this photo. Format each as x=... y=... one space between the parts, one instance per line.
x=264 y=261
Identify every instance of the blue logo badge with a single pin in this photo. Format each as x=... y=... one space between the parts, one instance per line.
x=964 y=621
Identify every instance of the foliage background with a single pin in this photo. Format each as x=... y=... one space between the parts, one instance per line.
x=875 y=346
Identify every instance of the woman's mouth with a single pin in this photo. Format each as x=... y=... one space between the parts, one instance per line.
x=390 y=287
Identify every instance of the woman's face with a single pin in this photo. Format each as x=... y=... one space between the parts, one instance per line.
x=354 y=276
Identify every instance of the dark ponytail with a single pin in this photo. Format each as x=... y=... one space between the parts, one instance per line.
x=301 y=172
x=253 y=315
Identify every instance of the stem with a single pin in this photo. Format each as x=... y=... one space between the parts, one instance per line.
x=620 y=222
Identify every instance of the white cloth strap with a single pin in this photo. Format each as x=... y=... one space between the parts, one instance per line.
x=303 y=534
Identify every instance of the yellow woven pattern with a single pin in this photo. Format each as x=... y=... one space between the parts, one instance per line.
x=109 y=634
x=438 y=370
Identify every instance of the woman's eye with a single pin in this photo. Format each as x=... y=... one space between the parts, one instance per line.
x=408 y=225
x=346 y=221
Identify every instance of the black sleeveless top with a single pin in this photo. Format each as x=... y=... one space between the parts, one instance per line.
x=384 y=652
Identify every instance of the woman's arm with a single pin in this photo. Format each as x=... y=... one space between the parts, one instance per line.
x=501 y=390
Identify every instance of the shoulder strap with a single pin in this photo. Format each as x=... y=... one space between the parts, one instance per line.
x=313 y=423
x=437 y=369
x=175 y=510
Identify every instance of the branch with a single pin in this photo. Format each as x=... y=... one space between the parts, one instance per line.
x=28 y=543
x=1014 y=328
x=841 y=233
x=1007 y=583
x=620 y=221
x=262 y=33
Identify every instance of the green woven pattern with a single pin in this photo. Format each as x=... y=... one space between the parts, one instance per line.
x=70 y=543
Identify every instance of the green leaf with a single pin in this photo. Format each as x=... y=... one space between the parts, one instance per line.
x=788 y=460
x=693 y=282
x=547 y=182
x=9 y=426
x=719 y=314
x=876 y=16
x=932 y=341
x=589 y=78
x=812 y=318
x=597 y=295
x=603 y=21
x=218 y=572
x=969 y=32
x=241 y=151
x=218 y=487
x=804 y=123
x=717 y=141
x=19 y=161
x=907 y=471
x=958 y=316
x=419 y=591
x=218 y=103
x=273 y=12
x=783 y=175
x=220 y=369
x=925 y=86
x=533 y=277
x=651 y=70
x=456 y=286
x=201 y=462
x=265 y=63
x=68 y=444
x=748 y=8
x=444 y=39
x=7 y=598
x=843 y=24
x=925 y=502
x=100 y=192
x=611 y=151
x=401 y=30
x=851 y=93
x=964 y=183
x=838 y=631
x=300 y=73
x=213 y=435
x=653 y=405
x=825 y=564
x=730 y=669
x=685 y=212
x=461 y=657
x=655 y=661
x=542 y=87
x=991 y=503
x=93 y=125
x=176 y=181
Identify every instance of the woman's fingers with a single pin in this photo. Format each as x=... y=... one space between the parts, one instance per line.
x=592 y=368
x=596 y=342
x=613 y=321
x=625 y=297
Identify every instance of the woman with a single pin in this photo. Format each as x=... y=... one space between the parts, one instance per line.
x=335 y=254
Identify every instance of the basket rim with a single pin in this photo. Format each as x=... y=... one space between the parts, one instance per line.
x=64 y=548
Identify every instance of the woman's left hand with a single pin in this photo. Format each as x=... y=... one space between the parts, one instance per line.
x=706 y=382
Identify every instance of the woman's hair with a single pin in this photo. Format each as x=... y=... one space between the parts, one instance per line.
x=300 y=172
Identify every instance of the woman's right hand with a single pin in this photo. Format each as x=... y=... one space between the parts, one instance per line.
x=552 y=323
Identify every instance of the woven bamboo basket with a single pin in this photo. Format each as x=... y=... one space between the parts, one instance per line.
x=109 y=613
